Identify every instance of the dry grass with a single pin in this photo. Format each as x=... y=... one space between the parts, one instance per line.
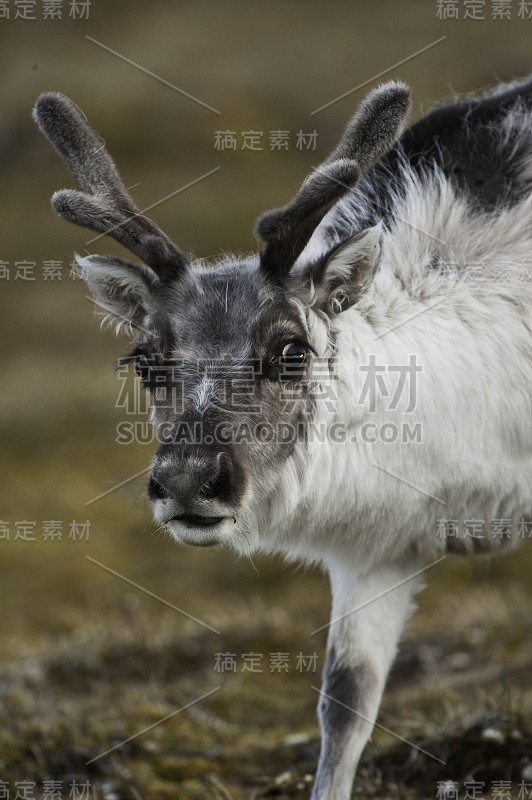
x=130 y=662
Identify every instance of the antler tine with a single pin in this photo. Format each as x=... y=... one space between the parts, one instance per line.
x=103 y=204
x=375 y=127
x=368 y=136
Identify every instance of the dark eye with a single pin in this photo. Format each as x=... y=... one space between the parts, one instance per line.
x=147 y=365
x=141 y=364
x=290 y=363
x=149 y=371
x=294 y=354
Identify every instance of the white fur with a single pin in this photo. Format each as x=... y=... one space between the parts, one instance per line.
x=474 y=342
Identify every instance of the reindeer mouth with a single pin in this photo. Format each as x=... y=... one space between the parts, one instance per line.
x=197 y=521
x=196 y=530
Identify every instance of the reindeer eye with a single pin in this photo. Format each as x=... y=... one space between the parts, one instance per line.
x=294 y=354
x=141 y=364
x=290 y=363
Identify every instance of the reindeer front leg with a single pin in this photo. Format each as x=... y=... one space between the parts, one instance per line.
x=368 y=616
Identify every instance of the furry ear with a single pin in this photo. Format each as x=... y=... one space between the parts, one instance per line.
x=341 y=277
x=122 y=291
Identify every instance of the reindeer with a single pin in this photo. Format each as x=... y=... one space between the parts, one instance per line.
x=367 y=269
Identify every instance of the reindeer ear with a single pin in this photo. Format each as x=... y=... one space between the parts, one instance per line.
x=122 y=291
x=343 y=276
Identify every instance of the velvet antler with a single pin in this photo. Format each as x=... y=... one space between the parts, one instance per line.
x=103 y=204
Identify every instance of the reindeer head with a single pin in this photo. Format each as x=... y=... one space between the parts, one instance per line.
x=228 y=351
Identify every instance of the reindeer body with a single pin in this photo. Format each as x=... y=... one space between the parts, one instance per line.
x=367 y=269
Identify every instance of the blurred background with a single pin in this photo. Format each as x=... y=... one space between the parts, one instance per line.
x=186 y=96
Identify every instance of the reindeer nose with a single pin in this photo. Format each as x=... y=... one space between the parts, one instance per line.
x=191 y=479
